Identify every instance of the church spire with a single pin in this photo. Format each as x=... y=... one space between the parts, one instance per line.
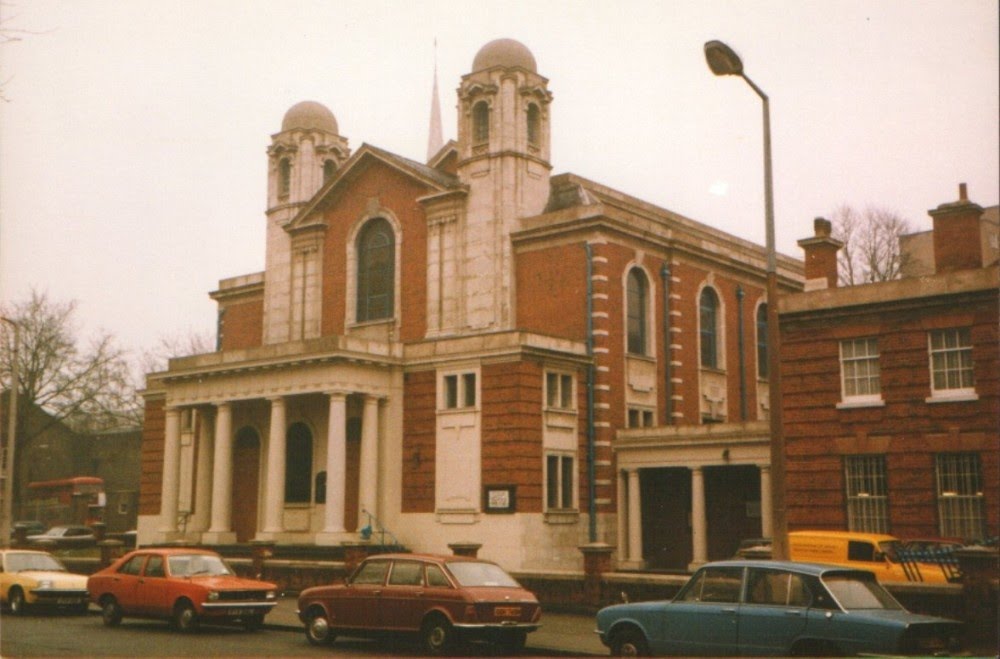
x=435 y=140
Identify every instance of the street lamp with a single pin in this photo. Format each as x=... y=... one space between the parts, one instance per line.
x=724 y=61
x=7 y=511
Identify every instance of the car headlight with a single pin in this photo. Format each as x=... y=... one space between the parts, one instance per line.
x=271 y=595
x=45 y=583
x=213 y=595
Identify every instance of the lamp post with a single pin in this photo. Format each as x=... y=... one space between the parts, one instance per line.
x=724 y=61
x=7 y=512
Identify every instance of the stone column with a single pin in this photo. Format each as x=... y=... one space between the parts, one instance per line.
x=766 y=518
x=221 y=529
x=274 y=494
x=368 y=478
x=635 y=558
x=203 y=474
x=336 y=471
x=699 y=536
x=621 y=508
x=171 y=472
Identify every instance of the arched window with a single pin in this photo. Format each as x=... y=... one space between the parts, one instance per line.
x=298 y=464
x=762 y=342
x=376 y=271
x=708 y=327
x=534 y=123
x=638 y=289
x=480 y=122
x=329 y=167
x=284 y=177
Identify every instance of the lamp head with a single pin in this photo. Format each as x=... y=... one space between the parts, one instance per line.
x=722 y=59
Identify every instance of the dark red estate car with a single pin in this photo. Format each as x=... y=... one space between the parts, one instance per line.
x=185 y=586
x=444 y=599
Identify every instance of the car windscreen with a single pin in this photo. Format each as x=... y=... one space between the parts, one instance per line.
x=25 y=562
x=859 y=592
x=471 y=573
x=197 y=565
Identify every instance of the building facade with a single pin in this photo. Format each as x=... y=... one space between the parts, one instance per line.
x=455 y=351
x=892 y=389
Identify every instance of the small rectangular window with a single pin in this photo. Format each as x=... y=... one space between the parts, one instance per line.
x=451 y=391
x=559 y=391
x=469 y=385
x=859 y=369
x=951 y=361
x=960 y=496
x=633 y=418
x=867 y=493
x=567 y=392
x=459 y=391
x=559 y=471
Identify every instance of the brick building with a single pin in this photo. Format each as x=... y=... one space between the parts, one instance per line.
x=454 y=351
x=892 y=389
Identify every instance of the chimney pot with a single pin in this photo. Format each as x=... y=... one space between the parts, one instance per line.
x=822 y=227
x=963 y=192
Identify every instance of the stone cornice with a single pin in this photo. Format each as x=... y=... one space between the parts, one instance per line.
x=492 y=347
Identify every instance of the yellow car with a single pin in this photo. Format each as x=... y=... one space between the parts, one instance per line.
x=29 y=578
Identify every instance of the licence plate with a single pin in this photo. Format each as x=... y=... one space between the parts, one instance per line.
x=507 y=611
x=236 y=612
x=68 y=600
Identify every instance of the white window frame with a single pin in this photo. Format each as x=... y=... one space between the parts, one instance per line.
x=959 y=490
x=866 y=488
x=960 y=351
x=462 y=385
x=561 y=492
x=562 y=396
x=637 y=416
x=871 y=399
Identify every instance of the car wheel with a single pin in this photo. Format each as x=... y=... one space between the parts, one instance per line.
x=15 y=598
x=185 y=619
x=629 y=642
x=318 y=630
x=111 y=612
x=513 y=643
x=437 y=635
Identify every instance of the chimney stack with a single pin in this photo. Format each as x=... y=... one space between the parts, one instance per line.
x=821 y=256
x=957 y=239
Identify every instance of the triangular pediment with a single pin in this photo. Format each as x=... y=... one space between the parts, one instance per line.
x=366 y=157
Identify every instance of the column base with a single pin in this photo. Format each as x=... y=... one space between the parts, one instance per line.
x=334 y=538
x=268 y=536
x=218 y=537
x=694 y=565
x=632 y=564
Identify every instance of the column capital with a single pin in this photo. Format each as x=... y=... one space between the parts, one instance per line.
x=337 y=393
x=279 y=399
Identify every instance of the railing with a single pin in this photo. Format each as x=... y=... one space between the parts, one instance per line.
x=375 y=527
x=911 y=558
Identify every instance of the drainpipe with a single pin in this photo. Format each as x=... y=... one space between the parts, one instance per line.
x=591 y=374
x=667 y=353
x=743 y=370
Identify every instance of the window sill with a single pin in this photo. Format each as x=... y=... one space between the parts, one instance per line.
x=368 y=323
x=858 y=404
x=955 y=397
x=562 y=516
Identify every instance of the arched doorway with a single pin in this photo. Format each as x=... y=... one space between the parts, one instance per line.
x=246 y=482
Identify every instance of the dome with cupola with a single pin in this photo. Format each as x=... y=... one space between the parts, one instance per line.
x=309 y=115
x=507 y=53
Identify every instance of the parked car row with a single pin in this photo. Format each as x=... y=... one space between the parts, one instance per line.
x=738 y=607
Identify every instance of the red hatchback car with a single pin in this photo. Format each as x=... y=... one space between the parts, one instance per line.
x=444 y=599
x=185 y=586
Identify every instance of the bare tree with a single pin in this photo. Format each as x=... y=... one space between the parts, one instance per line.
x=156 y=358
x=84 y=384
x=871 y=250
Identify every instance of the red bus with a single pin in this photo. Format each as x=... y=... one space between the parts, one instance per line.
x=81 y=499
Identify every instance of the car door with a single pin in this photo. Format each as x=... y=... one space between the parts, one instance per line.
x=153 y=589
x=124 y=584
x=358 y=606
x=774 y=612
x=401 y=606
x=702 y=621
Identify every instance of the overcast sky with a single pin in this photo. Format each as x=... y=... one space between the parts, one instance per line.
x=133 y=164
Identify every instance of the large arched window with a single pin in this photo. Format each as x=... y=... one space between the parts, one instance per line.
x=708 y=327
x=284 y=177
x=376 y=271
x=480 y=122
x=638 y=292
x=762 y=342
x=534 y=123
x=298 y=464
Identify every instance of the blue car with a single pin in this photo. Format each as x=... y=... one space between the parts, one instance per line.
x=755 y=608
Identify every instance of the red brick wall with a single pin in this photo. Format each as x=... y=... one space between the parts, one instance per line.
x=957 y=242
x=243 y=325
x=512 y=430
x=151 y=474
x=907 y=430
x=419 y=441
x=398 y=194
x=552 y=291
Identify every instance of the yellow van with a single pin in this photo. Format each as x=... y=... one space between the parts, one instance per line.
x=870 y=551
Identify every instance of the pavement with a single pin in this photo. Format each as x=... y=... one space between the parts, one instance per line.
x=565 y=633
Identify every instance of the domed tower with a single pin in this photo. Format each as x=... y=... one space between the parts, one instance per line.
x=503 y=143
x=306 y=153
